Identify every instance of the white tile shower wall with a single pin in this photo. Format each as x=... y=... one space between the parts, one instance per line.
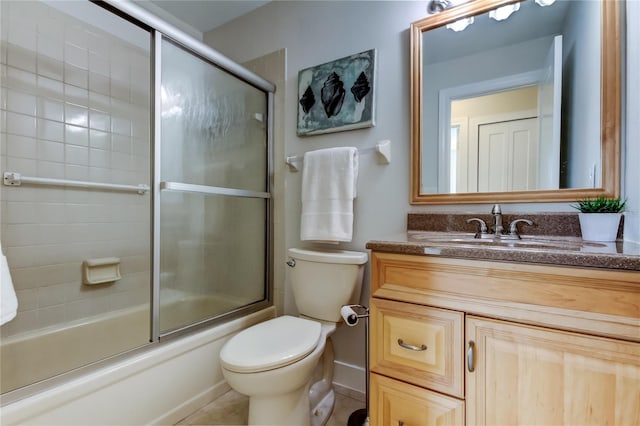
x=75 y=105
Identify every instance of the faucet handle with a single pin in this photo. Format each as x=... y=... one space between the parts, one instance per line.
x=496 y=209
x=513 y=227
x=483 y=226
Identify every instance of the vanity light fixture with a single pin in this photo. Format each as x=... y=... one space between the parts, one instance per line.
x=437 y=6
x=502 y=13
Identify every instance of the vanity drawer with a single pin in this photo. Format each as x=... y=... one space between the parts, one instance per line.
x=418 y=344
x=397 y=403
x=589 y=300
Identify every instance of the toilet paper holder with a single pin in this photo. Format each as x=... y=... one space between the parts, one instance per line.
x=351 y=314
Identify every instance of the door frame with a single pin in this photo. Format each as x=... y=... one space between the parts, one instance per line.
x=478 y=88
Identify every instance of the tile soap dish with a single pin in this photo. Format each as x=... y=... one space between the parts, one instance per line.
x=100 y=271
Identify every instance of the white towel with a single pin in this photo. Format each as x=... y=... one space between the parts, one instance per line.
x=329 y=179
x=8 y=300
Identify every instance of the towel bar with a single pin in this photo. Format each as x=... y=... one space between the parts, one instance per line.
x=382 y=148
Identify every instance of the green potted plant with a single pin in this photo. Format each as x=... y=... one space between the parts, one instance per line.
x=600 y=218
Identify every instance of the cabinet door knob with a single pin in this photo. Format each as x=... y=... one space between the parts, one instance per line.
x=470 y=357
x=400 y=423
x=422 y=347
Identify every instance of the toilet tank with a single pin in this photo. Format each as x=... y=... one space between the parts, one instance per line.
x=324 y=280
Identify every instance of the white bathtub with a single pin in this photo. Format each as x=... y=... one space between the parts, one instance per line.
x=33 y=356
x=158 y=386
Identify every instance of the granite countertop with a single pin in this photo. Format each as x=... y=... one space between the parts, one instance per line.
x=567 y=251
x=553 y=239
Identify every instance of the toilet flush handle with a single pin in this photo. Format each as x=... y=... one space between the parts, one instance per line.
x=291 y=262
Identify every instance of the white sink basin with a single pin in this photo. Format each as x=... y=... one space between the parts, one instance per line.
x=466 y=239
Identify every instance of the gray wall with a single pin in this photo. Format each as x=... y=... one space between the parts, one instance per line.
x=317 y=32
x=580 y=104
x=631 y=149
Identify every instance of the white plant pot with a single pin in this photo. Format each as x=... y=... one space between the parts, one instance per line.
x=599 y=226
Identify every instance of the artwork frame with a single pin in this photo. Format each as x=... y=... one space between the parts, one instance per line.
x=337 y=96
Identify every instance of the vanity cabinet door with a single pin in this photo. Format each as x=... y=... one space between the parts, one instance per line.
x=532 y=375
x=394 y=403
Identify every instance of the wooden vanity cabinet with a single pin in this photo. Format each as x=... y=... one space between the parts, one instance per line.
x=497 y=343
x=538 y=376
x=400 y=404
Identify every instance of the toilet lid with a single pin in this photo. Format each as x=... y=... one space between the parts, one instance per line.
x=270 y=344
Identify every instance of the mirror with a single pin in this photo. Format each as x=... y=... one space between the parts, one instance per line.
x=523 y=109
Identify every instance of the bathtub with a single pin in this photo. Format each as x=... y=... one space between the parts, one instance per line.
x=159 y=385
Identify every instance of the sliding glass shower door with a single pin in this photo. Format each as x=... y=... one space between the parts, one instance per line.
x=119 y=147
x=214 y=191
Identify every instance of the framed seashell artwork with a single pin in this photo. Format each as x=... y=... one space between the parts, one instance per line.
x=337 y=95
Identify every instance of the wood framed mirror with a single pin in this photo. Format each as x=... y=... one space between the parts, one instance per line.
x=466 y=149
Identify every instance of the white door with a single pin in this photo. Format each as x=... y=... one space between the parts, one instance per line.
x=508 y=156
x=549 y=104
x=459 y=163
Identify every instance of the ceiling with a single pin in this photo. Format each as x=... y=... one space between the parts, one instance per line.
x=205 y=15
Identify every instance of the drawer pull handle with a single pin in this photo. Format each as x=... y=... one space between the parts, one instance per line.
x=422 y=347
x=470 y=360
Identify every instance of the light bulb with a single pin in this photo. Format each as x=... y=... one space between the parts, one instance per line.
x=502 y=13
x=460 y=24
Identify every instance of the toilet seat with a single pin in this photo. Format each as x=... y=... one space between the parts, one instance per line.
x=271 y=344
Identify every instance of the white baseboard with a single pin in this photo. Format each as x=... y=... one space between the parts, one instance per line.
x=349 y=378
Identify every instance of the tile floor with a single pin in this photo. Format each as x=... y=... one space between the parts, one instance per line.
x=231 y=409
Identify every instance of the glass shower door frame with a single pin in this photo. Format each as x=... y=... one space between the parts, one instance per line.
x=160 y=185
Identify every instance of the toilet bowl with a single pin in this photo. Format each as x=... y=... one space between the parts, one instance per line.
x=273 y=362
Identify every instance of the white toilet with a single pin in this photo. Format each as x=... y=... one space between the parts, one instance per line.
x=274 y=362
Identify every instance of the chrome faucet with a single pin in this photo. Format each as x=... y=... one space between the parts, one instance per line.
x=513 y=229
x=497 y=229
x=482 y=230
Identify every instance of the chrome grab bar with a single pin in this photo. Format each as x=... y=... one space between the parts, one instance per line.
x=16 y=179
